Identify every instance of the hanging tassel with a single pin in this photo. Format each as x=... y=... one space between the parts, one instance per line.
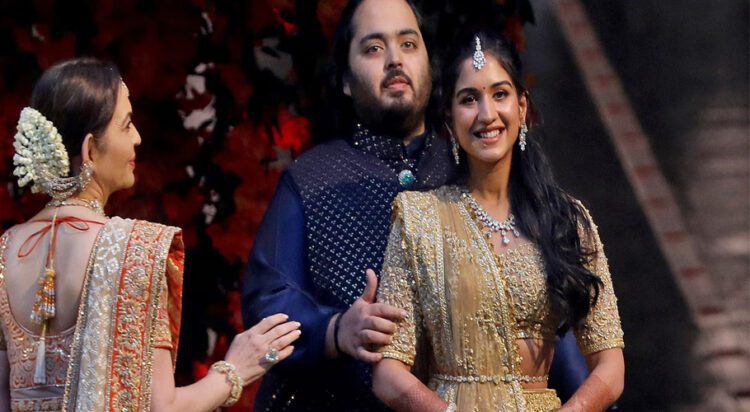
x=44 y=304
x=40 y=369
x=44 y=308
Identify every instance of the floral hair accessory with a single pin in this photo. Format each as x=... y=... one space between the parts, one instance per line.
x=38 y=145
x=41 y=158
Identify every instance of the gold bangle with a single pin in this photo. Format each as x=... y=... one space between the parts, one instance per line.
x=233 y=377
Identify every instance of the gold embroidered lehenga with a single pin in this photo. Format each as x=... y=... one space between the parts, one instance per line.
x=467 y=305
x=130 y=304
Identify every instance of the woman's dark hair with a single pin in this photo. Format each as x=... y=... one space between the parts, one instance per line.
x=78 y=96
x=337 y=114
x=548 y=215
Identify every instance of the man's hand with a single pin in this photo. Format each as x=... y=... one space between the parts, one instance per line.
x=367 y=325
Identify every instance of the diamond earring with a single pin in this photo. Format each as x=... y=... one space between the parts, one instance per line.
x=522 y=136
x=454 y=145
x=84 y=177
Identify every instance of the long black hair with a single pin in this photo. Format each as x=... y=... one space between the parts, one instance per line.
x=548 y=215
x=78 y=96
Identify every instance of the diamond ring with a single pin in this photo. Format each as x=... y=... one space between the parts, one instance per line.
x=272 y=355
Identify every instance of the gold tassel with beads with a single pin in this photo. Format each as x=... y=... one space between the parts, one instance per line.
x=44 y=308
x=44 y=304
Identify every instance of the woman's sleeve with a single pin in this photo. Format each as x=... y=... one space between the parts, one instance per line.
x=168 y=311
x=398 y=288
x=601 y=329
x=163 y=335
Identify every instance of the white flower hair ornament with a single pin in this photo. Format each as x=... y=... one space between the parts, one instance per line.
x=41 y=158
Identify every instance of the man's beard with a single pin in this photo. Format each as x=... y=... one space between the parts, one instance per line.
x=398 y=117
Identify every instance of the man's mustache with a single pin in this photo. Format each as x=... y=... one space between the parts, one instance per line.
x=396 y=73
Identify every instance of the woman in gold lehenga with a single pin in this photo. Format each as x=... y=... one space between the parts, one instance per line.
x=491 y=269
x=90 y=306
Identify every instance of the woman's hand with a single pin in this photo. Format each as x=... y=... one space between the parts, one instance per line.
x=248 y=349
x=394 y=384
x=604 y=384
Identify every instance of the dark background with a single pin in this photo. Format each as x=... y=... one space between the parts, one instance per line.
x=211 y=155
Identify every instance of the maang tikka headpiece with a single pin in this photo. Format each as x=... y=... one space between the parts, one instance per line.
x=478 y=61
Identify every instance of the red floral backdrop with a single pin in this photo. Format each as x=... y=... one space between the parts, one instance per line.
x=222 y=92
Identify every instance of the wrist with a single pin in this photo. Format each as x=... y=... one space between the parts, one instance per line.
x=330 y=345
x=336 y=327
x=233 y=378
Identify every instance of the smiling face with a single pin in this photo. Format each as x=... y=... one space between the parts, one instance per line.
x=486 y=111
x=113 y=155
x=389 y=74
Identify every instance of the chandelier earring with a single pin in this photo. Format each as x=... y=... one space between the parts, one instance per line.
x=454 y=145
x=61 y=188
x=522 y=136
x=84 y=177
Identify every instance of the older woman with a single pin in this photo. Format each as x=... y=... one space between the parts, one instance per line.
x=493 y=268
x=89 y=305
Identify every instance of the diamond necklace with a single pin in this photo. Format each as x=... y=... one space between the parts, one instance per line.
x=92 y=204
x=491 y=223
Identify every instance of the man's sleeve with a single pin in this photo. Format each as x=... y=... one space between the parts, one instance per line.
x=569 y=368
x=277 y=280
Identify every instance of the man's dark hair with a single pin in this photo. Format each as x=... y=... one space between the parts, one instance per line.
x=337 y=115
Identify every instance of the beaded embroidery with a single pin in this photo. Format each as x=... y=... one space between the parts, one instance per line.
x=469 y=305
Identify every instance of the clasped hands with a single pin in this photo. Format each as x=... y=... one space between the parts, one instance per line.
x=366 y=325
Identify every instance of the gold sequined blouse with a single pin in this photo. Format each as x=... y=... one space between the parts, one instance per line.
x=467 y=305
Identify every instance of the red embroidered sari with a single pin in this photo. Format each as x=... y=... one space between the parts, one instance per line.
x=130 y=304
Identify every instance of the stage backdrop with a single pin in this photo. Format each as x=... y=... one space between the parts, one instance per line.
x=224 y=93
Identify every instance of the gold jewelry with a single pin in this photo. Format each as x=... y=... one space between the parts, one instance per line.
x=93 y=204
x=494 y=379
x=233 y=377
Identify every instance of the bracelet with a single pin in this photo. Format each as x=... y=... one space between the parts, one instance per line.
x=451 y=407
x=336 y=325
x=233 y=377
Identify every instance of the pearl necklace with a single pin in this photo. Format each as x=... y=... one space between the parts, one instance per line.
x=491 y=223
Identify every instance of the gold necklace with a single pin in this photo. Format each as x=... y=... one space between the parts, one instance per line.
x=92 y=204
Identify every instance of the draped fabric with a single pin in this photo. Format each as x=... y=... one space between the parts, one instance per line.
x=130 y=305
x=468 y=305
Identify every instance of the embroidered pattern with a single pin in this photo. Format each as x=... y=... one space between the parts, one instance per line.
x=468 y=305
x=21 y=345
x=123 y=316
